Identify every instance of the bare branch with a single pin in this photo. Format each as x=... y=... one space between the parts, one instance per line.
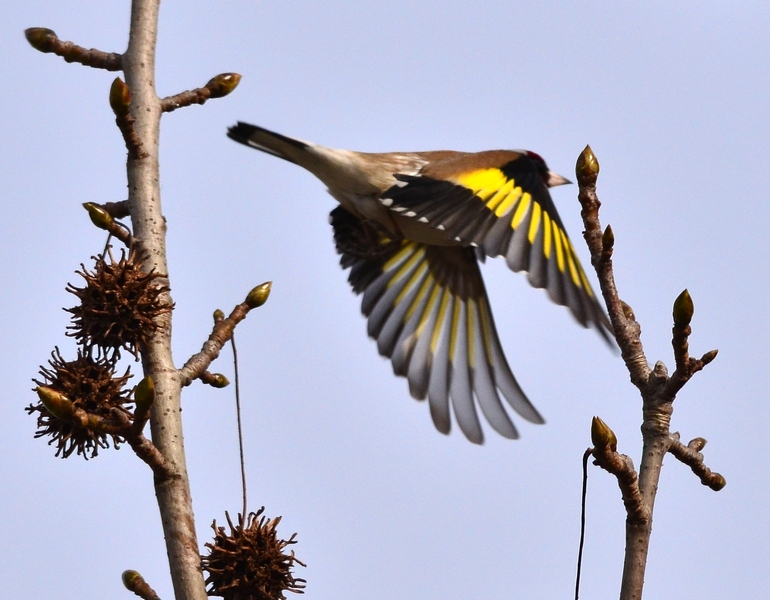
x=691 y=456
x=658 y=391
x=45 y=40
x=118 y=210
x=621 y=466
x=173 y=493
x=197 y=365
x=218 y=87
x=627 y=330
x=147 y=451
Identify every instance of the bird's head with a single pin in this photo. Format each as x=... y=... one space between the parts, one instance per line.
x=550 y=178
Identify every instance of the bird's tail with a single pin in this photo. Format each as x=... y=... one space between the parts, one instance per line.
x=287 y=148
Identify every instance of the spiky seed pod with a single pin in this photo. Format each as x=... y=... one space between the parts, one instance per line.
x=249 y=563
x=119 y=305
x=90 y=385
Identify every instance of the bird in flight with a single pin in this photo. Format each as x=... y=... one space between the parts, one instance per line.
x=412 y=227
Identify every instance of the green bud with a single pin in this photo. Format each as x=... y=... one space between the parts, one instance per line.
x=258 y=296
x=120 y=98
x=683 y=309
x=608 y=238
x=709 y=356
x=718 y=482
x=144 y=394
x=40 y=38
x=628 y=312
x=99 y=217
x=587 y=167
x=602 y=435
x=219 y=381
x=697 y=444
x=218 y=316
x=223 y=84
x=57 y=403
x=132 y=579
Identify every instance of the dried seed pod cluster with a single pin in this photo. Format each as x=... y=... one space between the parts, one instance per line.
x=95 y=404
x=250 y=562
x=119 y=305
x=84 y=406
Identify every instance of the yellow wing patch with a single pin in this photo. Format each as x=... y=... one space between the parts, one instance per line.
x=503 y=197
x=482 y=179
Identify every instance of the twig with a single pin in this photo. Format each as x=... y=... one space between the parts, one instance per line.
x=118 y=210
x=197 y=365
x=658 y=390
x=627 y=330
x=691 y=456
x=621 y=466
x=45 y=40
x=217 y=87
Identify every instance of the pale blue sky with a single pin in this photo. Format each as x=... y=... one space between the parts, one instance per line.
x=673 y=97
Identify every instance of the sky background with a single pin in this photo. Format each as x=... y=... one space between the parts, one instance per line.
x=672 y=97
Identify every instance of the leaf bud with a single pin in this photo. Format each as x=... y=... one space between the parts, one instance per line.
x=133 y=581
x=41 y=39
x=608 y=238
x=628 y=312
x=57 y=403
x=708 y=357
x=218 y=380
x=144 y=394
x=683 y=309
x=717 y=482
x=258 y=296
x=120 y=98
x=587 y=167
x=99 y=217
x=602 y=435
x=223 y=84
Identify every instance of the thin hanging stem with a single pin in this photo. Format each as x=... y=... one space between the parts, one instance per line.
x=586 y=456
x=240 y=427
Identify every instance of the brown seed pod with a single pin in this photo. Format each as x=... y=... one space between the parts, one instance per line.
x=249 y=562
x=96 y=401
x=119 y=306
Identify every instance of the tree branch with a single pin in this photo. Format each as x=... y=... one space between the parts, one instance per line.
x=691 y=456
x=45 y=40
x=173 y=493
x=218 y=87
x=197 y=365
x=627 y=330
x=658 y=391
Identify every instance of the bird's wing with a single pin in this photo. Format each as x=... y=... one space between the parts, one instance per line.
x=428 y=310
x=506 y=211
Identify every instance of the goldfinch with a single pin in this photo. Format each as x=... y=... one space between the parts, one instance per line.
x=412 y=227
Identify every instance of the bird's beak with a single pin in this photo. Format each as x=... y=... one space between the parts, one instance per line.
x=555 y=179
